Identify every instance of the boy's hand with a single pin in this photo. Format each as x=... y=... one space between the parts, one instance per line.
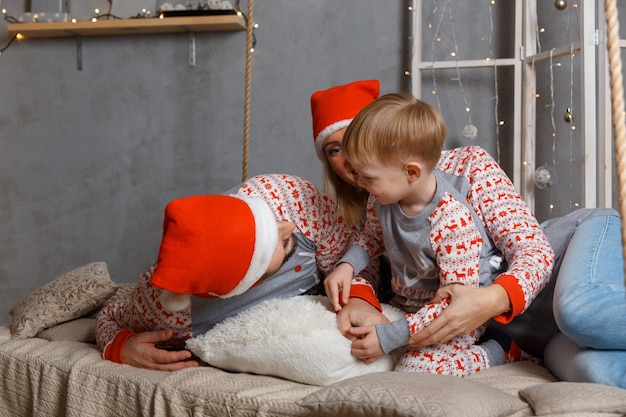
x=366 y=347
x=339 y=281
x=141 y=351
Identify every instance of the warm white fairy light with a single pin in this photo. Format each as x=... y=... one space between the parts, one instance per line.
x=495 y=82
x=572 y=119
x=436 y=38
x=552 y=106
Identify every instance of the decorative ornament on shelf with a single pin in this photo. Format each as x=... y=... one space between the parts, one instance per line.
x=560 y=4
x=545 y=177
x=470 y=132
x=569 y=116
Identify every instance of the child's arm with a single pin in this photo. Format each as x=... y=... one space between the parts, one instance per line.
x=362 y=257
x=337 y=285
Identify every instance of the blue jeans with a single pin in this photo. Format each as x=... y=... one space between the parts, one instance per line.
x=590 y=307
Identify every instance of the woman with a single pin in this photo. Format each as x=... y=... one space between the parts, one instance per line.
x=332 y=111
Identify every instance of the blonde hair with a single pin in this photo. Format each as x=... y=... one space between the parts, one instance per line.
x=394 y=128
x=350 y=200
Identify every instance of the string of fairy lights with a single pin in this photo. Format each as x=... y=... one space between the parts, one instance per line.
x=545 y=176
x=439 y=19
x=98 y=14
x=440 y=16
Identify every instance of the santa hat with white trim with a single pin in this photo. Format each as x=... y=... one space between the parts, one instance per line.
x=334 y=109
x=213 y=246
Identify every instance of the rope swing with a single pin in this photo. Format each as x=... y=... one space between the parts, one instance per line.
x=246 y=106
x=617 y=105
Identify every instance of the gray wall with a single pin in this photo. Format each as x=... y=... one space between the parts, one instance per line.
x=88 y=159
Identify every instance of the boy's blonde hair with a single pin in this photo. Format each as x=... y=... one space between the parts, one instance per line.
x=393 y=129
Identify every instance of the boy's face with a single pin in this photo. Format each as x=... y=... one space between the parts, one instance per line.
x=388 y=183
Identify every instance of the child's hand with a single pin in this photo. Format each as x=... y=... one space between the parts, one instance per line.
x=358 y=312
x=366 y=347
x=339 y=281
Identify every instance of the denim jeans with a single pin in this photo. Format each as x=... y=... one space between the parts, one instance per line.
x=590 y=307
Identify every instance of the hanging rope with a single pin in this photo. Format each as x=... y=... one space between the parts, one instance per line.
x=617 y=104
x=246 y=106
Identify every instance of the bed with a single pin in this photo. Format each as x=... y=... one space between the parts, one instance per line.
x=51 y=367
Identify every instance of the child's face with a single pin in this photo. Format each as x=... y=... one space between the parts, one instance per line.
x=388 y=183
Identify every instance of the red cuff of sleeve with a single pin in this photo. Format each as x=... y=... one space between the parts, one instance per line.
x=516 y=298
x=365 y=292
x=113 y=352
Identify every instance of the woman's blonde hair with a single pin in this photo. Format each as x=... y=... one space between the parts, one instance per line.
x=394 y=128
x=350 y=200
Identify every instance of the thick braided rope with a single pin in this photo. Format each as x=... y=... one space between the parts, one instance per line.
x=246 y=106
x=617 y=104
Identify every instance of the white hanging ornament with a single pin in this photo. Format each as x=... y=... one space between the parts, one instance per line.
x=545 y=177
x=470 y=132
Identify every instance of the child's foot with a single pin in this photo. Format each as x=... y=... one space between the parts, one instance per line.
x=512 y=352
x=516 y=354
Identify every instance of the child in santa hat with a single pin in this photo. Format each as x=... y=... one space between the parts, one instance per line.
x=275 y=236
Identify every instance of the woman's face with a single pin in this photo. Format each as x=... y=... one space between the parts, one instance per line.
x=334 y=156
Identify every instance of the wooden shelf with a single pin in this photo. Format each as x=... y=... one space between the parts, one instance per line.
x=187 y=24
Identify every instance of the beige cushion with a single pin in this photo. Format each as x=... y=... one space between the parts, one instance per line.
x=69 y=296
x=78 y=330
x=564 y=398
x=410 y=394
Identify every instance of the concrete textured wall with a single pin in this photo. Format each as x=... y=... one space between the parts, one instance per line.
x=89 y=158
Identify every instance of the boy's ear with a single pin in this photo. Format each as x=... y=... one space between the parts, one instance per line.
x=413 y=171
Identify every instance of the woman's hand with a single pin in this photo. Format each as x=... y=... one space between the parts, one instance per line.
x=469 y=309
x=141 y=351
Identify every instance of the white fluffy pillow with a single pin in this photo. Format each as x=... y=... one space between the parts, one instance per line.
x=294 y=338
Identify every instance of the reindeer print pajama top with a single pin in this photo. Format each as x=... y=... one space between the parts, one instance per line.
x=477 y=230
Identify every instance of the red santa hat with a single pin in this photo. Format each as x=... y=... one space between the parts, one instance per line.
x=213 y=245
x=334 y=109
